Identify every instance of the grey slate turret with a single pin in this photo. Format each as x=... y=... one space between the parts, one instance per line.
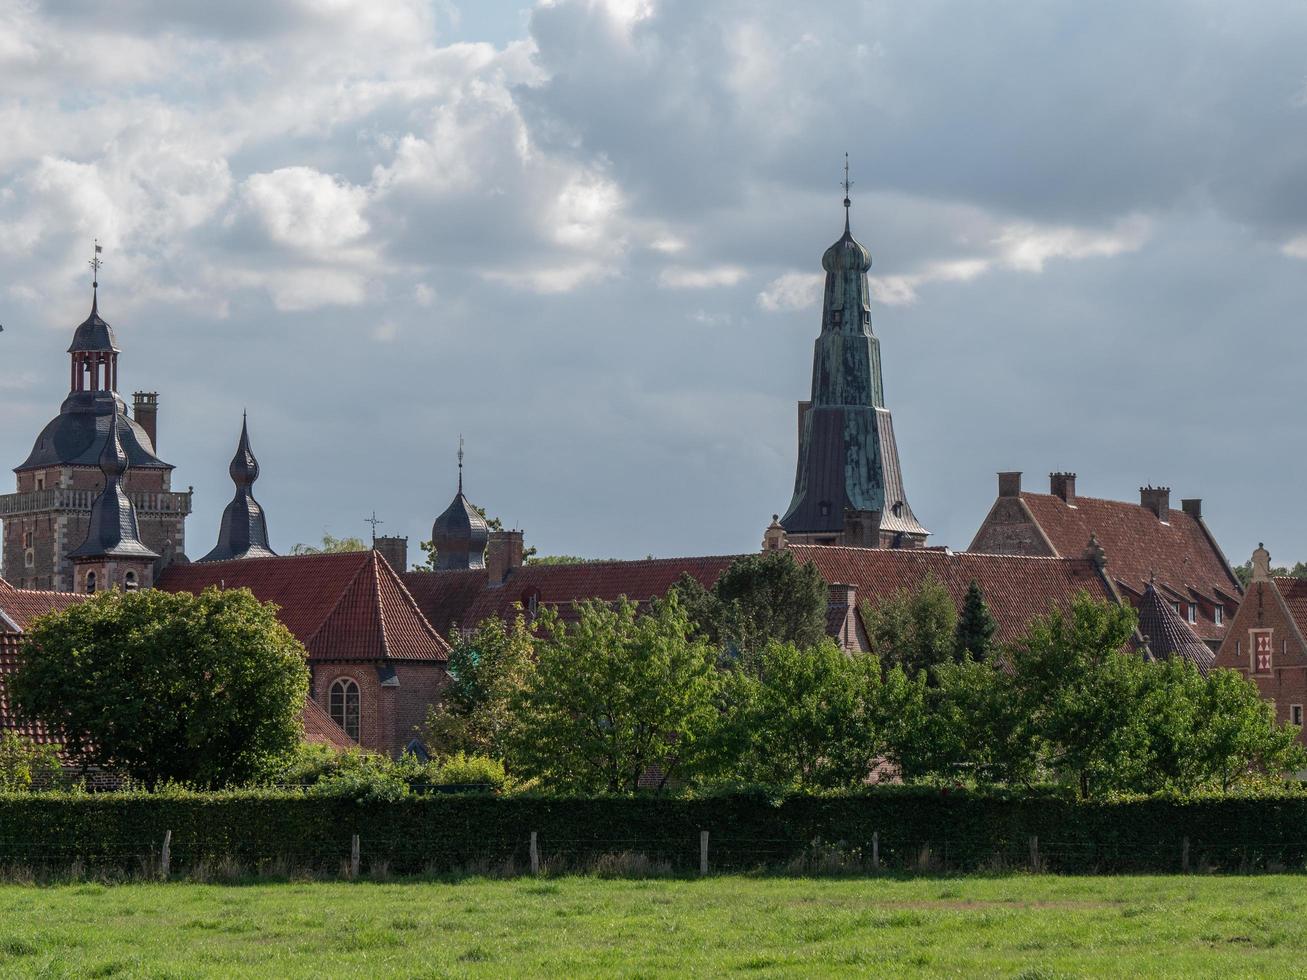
x=460 y=534
x=113 y=531
x=244 y=529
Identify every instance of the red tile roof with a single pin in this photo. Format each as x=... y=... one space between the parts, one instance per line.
x=1017 y=588
x=344 y=606
x=24 y=605
x=446 y=597
x=11 y=645
x=1294 y=592
x=319 y=729
x=1138 y=546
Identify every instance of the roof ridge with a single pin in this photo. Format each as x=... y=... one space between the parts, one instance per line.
x=397 y=580
x=381 y=605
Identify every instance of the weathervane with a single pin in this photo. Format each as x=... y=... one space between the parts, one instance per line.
x=847 y=183
x=460 y=462
x=95 y=264
x=374 y=520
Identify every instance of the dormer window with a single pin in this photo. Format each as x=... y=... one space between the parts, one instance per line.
x=1193 y=612
x=1218 y=615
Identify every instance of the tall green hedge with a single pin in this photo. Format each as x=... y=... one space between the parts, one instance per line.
x=958 y=830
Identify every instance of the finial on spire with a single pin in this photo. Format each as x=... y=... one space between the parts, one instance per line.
x=847 y=184
x=95 y=264
x=460 y=462
x=374 y=520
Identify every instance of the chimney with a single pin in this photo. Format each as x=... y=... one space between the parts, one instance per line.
x=1158 y=500
x=1192 y=507
x=145 y=410
x=841 y=601
x=394 y=549
x=1063 y=485
x=503 y=554
x=1009 y=484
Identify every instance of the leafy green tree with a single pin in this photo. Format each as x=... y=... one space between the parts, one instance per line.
x=1244 y=572
x=1235 y=737
x=975 y=630
x=161 y=686
x=26 y=765
x=330 y=545
x=914 y=629
x=487 y=669
x=758 y=600
x=811 y=720
x=616 y=696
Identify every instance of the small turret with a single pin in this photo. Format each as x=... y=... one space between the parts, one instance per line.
x=460 y=534
x=244 y=529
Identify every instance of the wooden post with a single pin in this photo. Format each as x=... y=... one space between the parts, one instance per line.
x=165 y=855
x=1184 y=856
x=703 y=852
x=1034 y=853
x=535 y=854
x=875 y=851
x=354 y=856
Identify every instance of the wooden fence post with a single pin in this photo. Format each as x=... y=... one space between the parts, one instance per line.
x=875 y=851
x=703 y=852
x=535 y=854
x=1184 y=856
x=1034 y=853
x=165 y=855
x=354 y=857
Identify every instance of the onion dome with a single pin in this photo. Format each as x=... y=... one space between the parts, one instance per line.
x=113 y=531
x=460 y=534
x=1168 y=635
x=93 y=334
x=244 y=529
x=848 y=254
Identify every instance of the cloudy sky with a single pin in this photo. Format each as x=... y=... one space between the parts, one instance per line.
x=586 y=235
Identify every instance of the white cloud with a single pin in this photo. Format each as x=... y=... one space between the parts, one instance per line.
x=1295 y=248
x=304 y=209
x=682 y=277
x=1027 y=247
x=423 y=295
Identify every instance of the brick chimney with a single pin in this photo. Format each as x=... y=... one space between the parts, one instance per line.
x=503 y=554
x=841 y=605
x=1158 y=500
x=1063 y=485
x=145 y=410
x=394 y=549
x=1009 y=484
x=1192 y=507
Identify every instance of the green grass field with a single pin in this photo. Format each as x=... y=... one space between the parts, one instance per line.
x=577 y=926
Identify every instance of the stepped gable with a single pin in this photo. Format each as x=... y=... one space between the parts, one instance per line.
x=1017 y=588
x=343 y=606
x=446 y=598
x=21 y=606
x=561 y=586
x=319 y=729
x=1167 y=635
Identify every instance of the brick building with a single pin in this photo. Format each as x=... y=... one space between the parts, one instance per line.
x=49 y=513
x=1265 y=640
x=1139 y=544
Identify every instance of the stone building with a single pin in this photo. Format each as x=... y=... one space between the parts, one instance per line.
x=49 y=513
x=848 y=486
x=1139 y=544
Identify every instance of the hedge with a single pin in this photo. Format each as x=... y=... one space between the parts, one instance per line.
x=913 y=827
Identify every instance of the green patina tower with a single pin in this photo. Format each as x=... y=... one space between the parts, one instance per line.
x=848 y=488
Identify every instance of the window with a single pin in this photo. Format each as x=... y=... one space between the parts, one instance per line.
x=1262 y=652
x=90 y=582
x=27 y=539
x=1218 y=615
x=29 y=558
x=1193 y=612
x=823 y=508
x=40 y=483
x=129 y=581
x=1295 y=714
x=344 y=706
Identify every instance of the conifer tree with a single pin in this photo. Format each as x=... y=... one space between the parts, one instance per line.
x=976 y=626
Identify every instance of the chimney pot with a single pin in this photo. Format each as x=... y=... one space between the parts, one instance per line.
x=1009 y=484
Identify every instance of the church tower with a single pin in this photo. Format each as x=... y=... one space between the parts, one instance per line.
x=50 y=513
x=848 y=488
x=244 y=530
x=112 y=555
x=460 y=534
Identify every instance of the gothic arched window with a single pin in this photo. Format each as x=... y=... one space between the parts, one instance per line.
x=343 y=703
x=90 y=582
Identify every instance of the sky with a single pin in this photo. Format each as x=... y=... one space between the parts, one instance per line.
x=585 y=235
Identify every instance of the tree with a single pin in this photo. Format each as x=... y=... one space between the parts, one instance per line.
x=330 y=545
x=758 y=600
x=26 y=765
x=614 y=697
x=813 y=719
x=487 y=671
x=914 y=629
x=1244 y=572
x=164 y=686
x=975 y=630
x=1235 y=737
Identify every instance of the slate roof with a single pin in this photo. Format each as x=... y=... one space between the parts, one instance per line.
x=1168 y=635
x=1017 y=588
x=76 y=436
x=112 y=531
x=343 y=606
x=244 y=529
x=1179 y=553
x=93 y=334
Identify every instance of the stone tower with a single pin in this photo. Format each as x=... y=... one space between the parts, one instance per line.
x=244 y=529
x=848 y=488
x=112 y=555
x=49 y=514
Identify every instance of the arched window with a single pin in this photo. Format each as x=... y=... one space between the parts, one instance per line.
x=90 y=582
x=129 y=581
x=344 y=706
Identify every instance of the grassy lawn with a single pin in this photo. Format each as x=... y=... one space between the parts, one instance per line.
x=1003 y=926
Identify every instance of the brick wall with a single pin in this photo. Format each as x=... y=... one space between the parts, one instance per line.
x=1008 y=530
x=1262 y=614
x=388 y=715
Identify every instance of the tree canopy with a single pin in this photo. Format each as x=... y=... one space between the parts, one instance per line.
x=330 y=545
x=162 y=686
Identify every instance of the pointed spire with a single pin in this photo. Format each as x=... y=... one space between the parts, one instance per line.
x=847 y=184
x=460 y=463
x=244 y=467
x=113 y=460
x=113 y=531
x=244 y=529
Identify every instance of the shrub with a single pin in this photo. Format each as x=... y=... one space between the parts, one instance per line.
x=467 y=770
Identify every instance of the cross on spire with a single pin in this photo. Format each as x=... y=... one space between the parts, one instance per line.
x=374 y=520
